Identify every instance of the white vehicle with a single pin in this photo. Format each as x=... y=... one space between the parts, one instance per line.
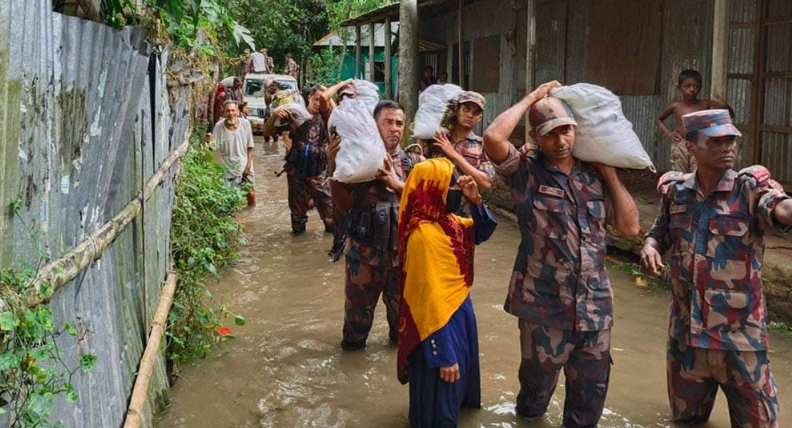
x=256 y=98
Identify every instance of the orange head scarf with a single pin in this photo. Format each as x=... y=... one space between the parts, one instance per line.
x=435 y=257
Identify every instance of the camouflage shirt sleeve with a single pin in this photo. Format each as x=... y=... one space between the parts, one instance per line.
x=660 y=231
x=486 y=166
x=768 y=193
x=509 y=166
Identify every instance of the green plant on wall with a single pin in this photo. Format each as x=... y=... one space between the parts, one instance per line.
x=204 y=236
x=32 y=367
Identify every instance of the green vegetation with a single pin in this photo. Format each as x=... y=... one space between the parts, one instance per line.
x=663 y=282
x=781 y=329
x=32 y=368
x=204 y=236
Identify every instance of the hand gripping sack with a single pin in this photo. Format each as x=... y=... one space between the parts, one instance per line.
x=435 y=106
x=294 y=103
x=362 y=151
x=368 y=93
x=603 y=133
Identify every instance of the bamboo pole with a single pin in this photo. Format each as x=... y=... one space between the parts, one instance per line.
x=59 y=272
x=134 y=415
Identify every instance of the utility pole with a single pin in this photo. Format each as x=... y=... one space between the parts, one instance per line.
x=408 y=59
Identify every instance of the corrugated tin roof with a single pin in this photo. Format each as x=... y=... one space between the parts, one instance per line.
x=334 y=39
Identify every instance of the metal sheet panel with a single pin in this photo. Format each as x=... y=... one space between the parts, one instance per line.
x=741 y=50
x=776 y=152
x=742 y=11
x=76 y=132
x=641 y=111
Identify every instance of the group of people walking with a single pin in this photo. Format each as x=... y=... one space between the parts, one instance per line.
x=409 y=237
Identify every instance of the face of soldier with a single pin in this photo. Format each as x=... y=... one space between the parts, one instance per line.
x=557 y=145
x=714 y=153
x=469 y=115
x=391 y=127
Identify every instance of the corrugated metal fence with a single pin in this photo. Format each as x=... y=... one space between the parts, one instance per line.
x=85 y=120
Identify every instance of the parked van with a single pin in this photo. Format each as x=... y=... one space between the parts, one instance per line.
x=256 y=99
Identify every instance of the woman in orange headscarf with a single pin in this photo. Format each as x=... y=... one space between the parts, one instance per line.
x=438 y=341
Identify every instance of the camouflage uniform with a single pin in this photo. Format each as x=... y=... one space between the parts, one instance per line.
x=372 y=260
x=717 y=326
x=292 y=69
x=306 y=165
x=681 y=159
x=717 y=329
x=559 y=288
x=471 y=148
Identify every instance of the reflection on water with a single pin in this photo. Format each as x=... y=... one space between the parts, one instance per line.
x=286 y=368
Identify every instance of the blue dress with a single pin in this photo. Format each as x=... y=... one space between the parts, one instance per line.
x=435 y=403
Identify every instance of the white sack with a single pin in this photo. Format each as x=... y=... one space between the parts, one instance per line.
x=433 y=109
x=362 y=152
x=603 y=133
x=294 y=103
x=368 y=93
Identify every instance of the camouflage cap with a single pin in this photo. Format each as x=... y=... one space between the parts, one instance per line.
x=712 y=123
x=549 y=113
x=472 y=97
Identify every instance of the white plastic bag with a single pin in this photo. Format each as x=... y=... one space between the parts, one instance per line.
x=433 y=109
x=603 y=133
x=368 y=93
x=362 y=152
x=294 y=103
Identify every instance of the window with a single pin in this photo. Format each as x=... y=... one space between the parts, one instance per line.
x=455 y=66
x=379 y=71
x=253 y=88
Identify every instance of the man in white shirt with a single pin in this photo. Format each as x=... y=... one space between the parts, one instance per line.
x=259 y=62
x=233 y=140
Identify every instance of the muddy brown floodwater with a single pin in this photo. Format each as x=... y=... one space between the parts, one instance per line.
x=286 y=369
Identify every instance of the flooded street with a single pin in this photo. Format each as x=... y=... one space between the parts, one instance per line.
x=286 y=368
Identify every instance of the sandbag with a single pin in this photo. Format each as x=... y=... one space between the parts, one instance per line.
x=436 y=106
x=362 y=152
x=368 y=93
x=294 y=103
x=603 y=133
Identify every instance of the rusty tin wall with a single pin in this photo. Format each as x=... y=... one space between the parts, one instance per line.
x=82 y=127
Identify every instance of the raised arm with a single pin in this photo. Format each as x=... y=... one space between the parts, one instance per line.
x=496 y=138
x=482 y=179
x=330 y=92
x=625 y=213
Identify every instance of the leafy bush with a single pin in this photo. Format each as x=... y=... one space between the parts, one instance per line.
x=204 y=236
x=32 y=370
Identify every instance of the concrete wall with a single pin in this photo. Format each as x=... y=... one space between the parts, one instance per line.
x=81 y=129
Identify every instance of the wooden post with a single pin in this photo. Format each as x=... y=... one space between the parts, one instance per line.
x=720 y=50
x=461 y=39
x=372 y=53
x=530 y=66
x=388 y=59
x=357 y=52
x=408 y=59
